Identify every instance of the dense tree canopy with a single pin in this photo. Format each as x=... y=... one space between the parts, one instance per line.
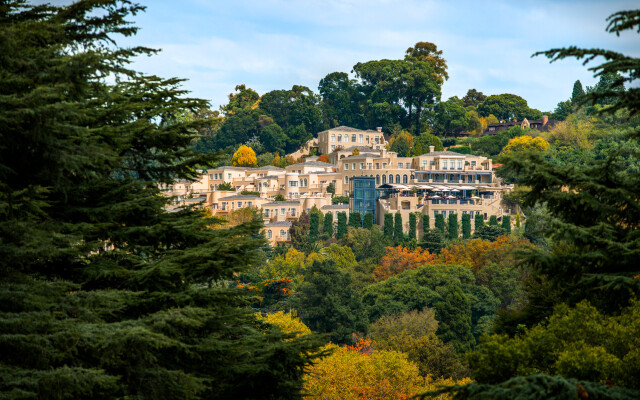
x=104 y=294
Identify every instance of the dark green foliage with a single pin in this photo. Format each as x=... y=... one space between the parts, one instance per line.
x=355 y=220
x=454 y=316
x=314 y=225
x=492 y=145
x=453 y=227
x=489 y=232
x=473 y=98
x=327 y=228
x=623 y=69
x=388 y=225
x=429 y=286
x=425 y=223
x=507 y=107
x=461 y=149
x=368 y=221
x=450 y=117
x=562 y=111
x=226 y=186
x=537 y=387
x=327 y=303
x=398 y=235
x=103 y=293
x=342 y=225
x=440 y=225
x=331 y=188
x=478 y=221
x=249 y=193
x=466 y=226
x=279 y=197
x=340 y=200
x=433 y=240
x=577 y=92
x=506 y=224
x=493 y=220
x=412 y=226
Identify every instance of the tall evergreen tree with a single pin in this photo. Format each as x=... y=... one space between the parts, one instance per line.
x=388 y=225
x=314 y=225
x=342 y=225
x=506 y=223
x=433 y=240
x=453 y=226
x=425 y=223
x=577 y=92
x=355 y=220
x=327 y=227
x=454 y=319
x=412 y=226
x=368 y=221
x=466 y=226
x=478 y=221
x=398 y=235
x=493 y=220
x=103 y=293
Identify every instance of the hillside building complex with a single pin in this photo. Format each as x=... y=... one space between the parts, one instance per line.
x=439 y=182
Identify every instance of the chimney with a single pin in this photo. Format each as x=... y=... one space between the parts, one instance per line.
x=545 y=119
x=379 y=129
x=432 y=149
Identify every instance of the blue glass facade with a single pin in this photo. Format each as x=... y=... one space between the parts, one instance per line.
x=364 y=197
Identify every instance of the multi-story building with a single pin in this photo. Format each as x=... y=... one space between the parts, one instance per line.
x=439 y=182
x=343 y=137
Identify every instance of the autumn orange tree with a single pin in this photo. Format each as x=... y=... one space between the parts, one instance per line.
x=244 y=157
x=476 y=253
x=398 y=259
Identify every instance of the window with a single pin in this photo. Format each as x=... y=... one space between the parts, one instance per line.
x=361 y=138
x=346 y=180
x=333 y=147
x=293 y=212
x=346 y=166
x=384 y=179
x=400 y=165
x=282 y=234
x=445 y=164
x=239 y=204
x=390 y=178
x=248 y=204
x=269 y=234
x=346 y=138
x=339 y=138
x=211 y=176
x=266 y=213
x=377 y=139
x=283 y=211
x=370 y=165
x=333 y=137
x=377 y=179
x=459 y=164
x=377 y=165
x=354 y=166
x=214 y=206
x=293 y=183
x=384 y=165
x=424 y=163
x=473 y=164
x=361 y=165
x=367 y=139
x=404 y=179
x=229 y=175
x=353 y=138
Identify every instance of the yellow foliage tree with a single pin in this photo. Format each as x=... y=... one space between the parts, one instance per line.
x=244 y=157
x=525 y=143
x=355 y=152
x=288 y=322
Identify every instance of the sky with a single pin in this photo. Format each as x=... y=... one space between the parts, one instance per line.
x=275 y=44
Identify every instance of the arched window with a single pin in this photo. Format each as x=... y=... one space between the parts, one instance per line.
x=269 y=234
x=384 y=179
x=346 y=180
x=282 y=233
x=390 y=178
x=405 y=179
x=377 y=179
x=398 y=178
